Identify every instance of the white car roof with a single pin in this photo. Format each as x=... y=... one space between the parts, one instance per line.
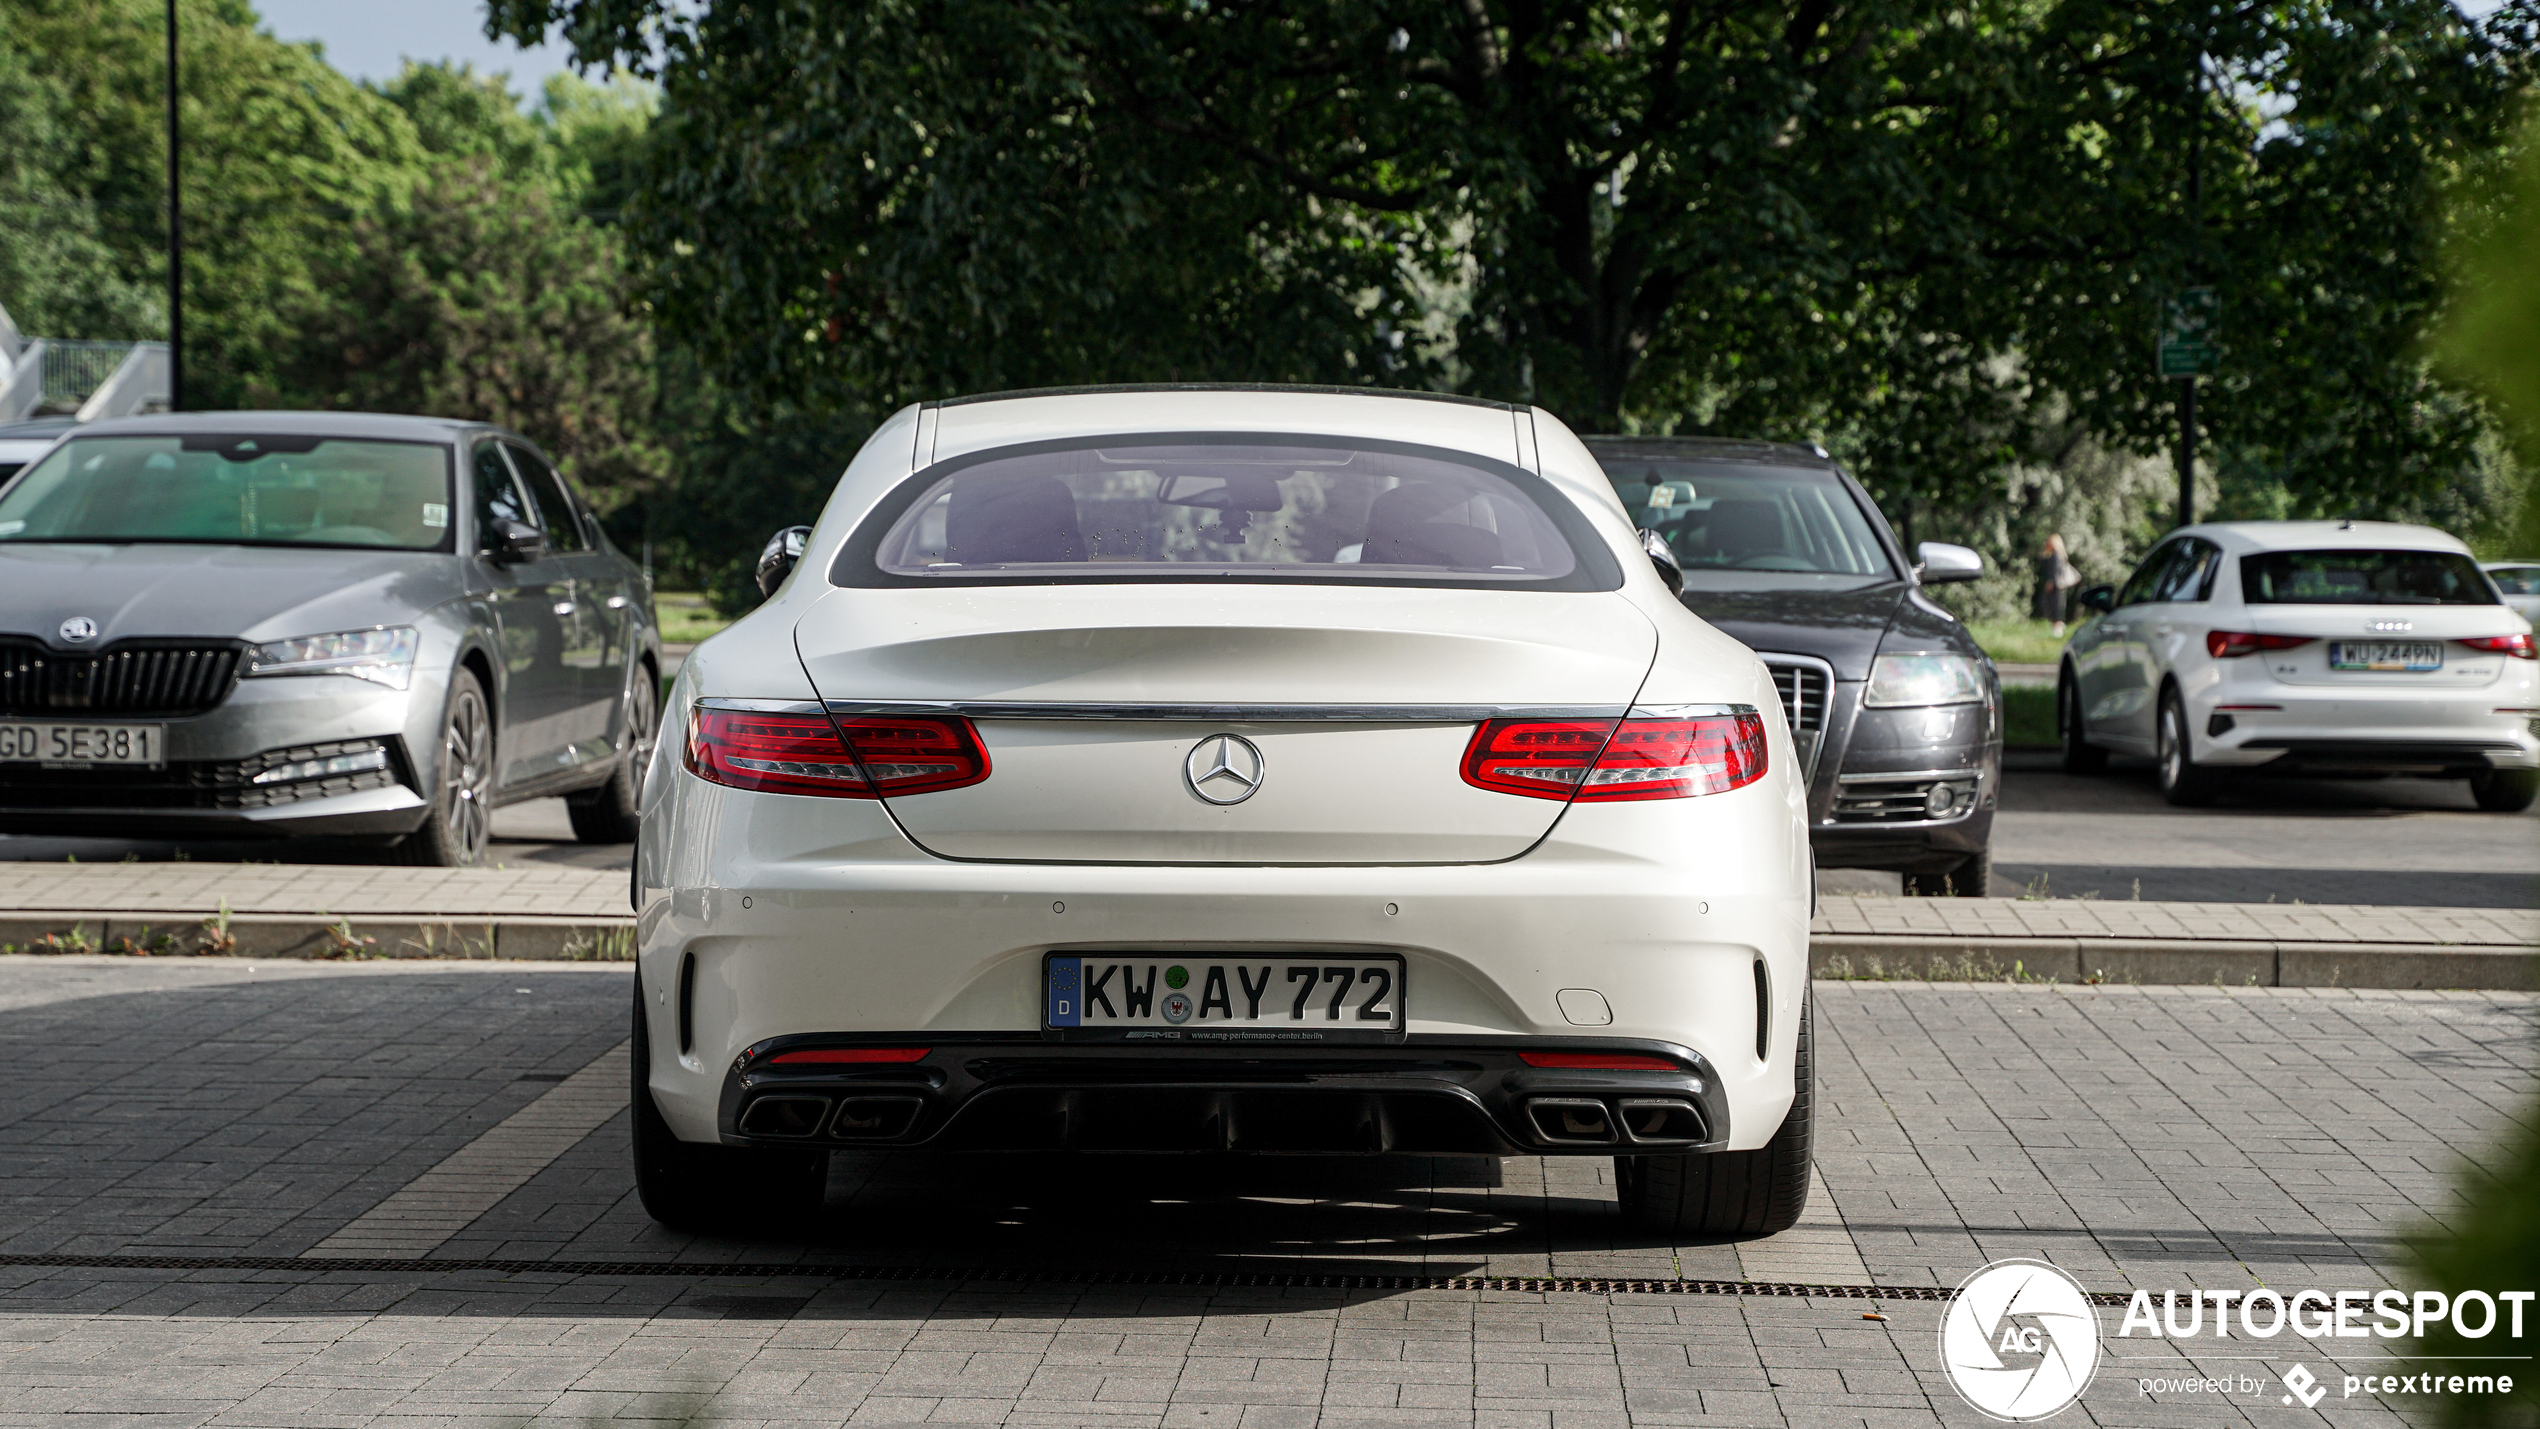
x=2328 y=535
x=967 y=424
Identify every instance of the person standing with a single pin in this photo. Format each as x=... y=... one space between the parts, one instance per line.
x=2056 y=576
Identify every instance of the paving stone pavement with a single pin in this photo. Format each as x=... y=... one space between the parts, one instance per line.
x=2154 y=1137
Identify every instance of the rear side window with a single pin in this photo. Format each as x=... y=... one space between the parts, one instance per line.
x=2517 y=580
x=556 y=514
x=1278 y=509
x=2363 y=578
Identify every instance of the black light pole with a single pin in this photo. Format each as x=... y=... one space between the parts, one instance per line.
x=2196 y=235
x=176 y=242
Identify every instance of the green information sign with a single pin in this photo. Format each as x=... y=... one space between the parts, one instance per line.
x=2187 y=347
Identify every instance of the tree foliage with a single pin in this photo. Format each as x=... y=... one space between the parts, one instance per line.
x=483 y=299
x=1898 y=224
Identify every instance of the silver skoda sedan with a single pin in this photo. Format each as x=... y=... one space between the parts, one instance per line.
x=285 y=623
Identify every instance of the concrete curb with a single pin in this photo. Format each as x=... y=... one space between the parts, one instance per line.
x=300 y=935
x=2221 y=962
x=2203 y=962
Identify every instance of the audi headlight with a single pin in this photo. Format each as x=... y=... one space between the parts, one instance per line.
x=385 y=655
x=1923 y=680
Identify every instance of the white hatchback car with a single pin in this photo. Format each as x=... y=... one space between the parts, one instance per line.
x=1225 y=770
x=2322 y=646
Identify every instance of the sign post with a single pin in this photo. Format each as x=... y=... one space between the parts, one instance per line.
x=2187 y=351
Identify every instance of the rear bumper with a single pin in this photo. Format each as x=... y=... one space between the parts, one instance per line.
x=2287 y=729
x=1432 y=1094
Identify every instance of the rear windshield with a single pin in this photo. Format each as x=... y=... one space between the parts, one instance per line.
x=2363 y=578
x=235 y=489
x=2516 y=580
x=1752 y=527
x=1123 y=510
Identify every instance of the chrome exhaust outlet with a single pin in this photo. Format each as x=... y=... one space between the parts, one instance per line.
x=784 y=1116
x=1651 y=1122
x=875 y=1118
x=1571 y=1121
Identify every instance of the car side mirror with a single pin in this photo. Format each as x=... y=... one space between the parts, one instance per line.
x=1940 y=563
x=2101 y=598
x=512 y=542
x=784 y=550
x=1663 y=556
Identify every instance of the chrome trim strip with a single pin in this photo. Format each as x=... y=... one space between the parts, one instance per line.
x=1903 y=775
x=1689 y=711
x=1228 y=714
x=796 y=707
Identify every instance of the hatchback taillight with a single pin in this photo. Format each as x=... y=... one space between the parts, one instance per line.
x=2232 y=644
x=804 y=753
x=2518 y=646
x=1640 y=757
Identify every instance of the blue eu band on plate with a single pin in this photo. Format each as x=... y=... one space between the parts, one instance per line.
x=1264 y=993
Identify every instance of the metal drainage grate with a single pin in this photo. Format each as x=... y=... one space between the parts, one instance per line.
x=1012 y=1275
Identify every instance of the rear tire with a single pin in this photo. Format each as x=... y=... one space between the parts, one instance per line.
x=1971 y=879
x=460 y=820
x=2184 y=782
x=610 y=814
x=1731 y=1193
x=692 y=1187
x=2080 y=755
x=2505 y=791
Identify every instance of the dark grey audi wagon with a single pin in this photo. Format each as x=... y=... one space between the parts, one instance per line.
x=286 y=623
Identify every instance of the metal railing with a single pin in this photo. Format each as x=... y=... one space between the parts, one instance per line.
x=74 y=368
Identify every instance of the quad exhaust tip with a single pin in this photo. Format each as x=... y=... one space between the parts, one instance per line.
x=1640 y=1121
x=858 y=1118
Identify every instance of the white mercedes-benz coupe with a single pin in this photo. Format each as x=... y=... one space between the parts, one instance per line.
x=2357 y=647
x=1225 y=769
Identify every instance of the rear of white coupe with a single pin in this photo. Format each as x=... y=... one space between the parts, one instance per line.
x=1225 y=770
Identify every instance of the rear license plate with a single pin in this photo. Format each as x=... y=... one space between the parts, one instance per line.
x=1277 y=997
x=2402 y=655
x=61 y=742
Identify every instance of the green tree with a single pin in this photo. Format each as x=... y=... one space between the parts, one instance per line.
x=1900 y=224
x=481 y=298
x=58 y=276
x=281 y=153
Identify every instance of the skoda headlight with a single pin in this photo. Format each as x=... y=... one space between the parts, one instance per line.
x=385 y=655
x=1923 y=680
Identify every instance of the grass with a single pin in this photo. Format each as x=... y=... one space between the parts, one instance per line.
x=2028 y=717
x=685 y=617
x=2018 y=642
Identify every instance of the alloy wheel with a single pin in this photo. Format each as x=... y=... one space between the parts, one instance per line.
x=643 y=727
x=467 y=774
x=2173 y=748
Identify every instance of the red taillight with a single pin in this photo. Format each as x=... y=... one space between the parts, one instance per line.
x=917 y=755
x=803 y=754
x=774 y=753
x=1641 y=757
x=862 y=1055
x=2232 y=644
x=1597 y=1062
x=2518 y=646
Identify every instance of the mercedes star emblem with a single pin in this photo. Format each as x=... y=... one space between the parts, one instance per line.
x=1224 y=769
x=79 y=628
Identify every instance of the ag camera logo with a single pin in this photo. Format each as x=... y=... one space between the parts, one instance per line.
x=2020 y=1341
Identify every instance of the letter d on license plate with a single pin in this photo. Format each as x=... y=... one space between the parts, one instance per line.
x=1268 y=997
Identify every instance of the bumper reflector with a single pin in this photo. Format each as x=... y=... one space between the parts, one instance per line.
x=1598 y=1062
x=849 y=1055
